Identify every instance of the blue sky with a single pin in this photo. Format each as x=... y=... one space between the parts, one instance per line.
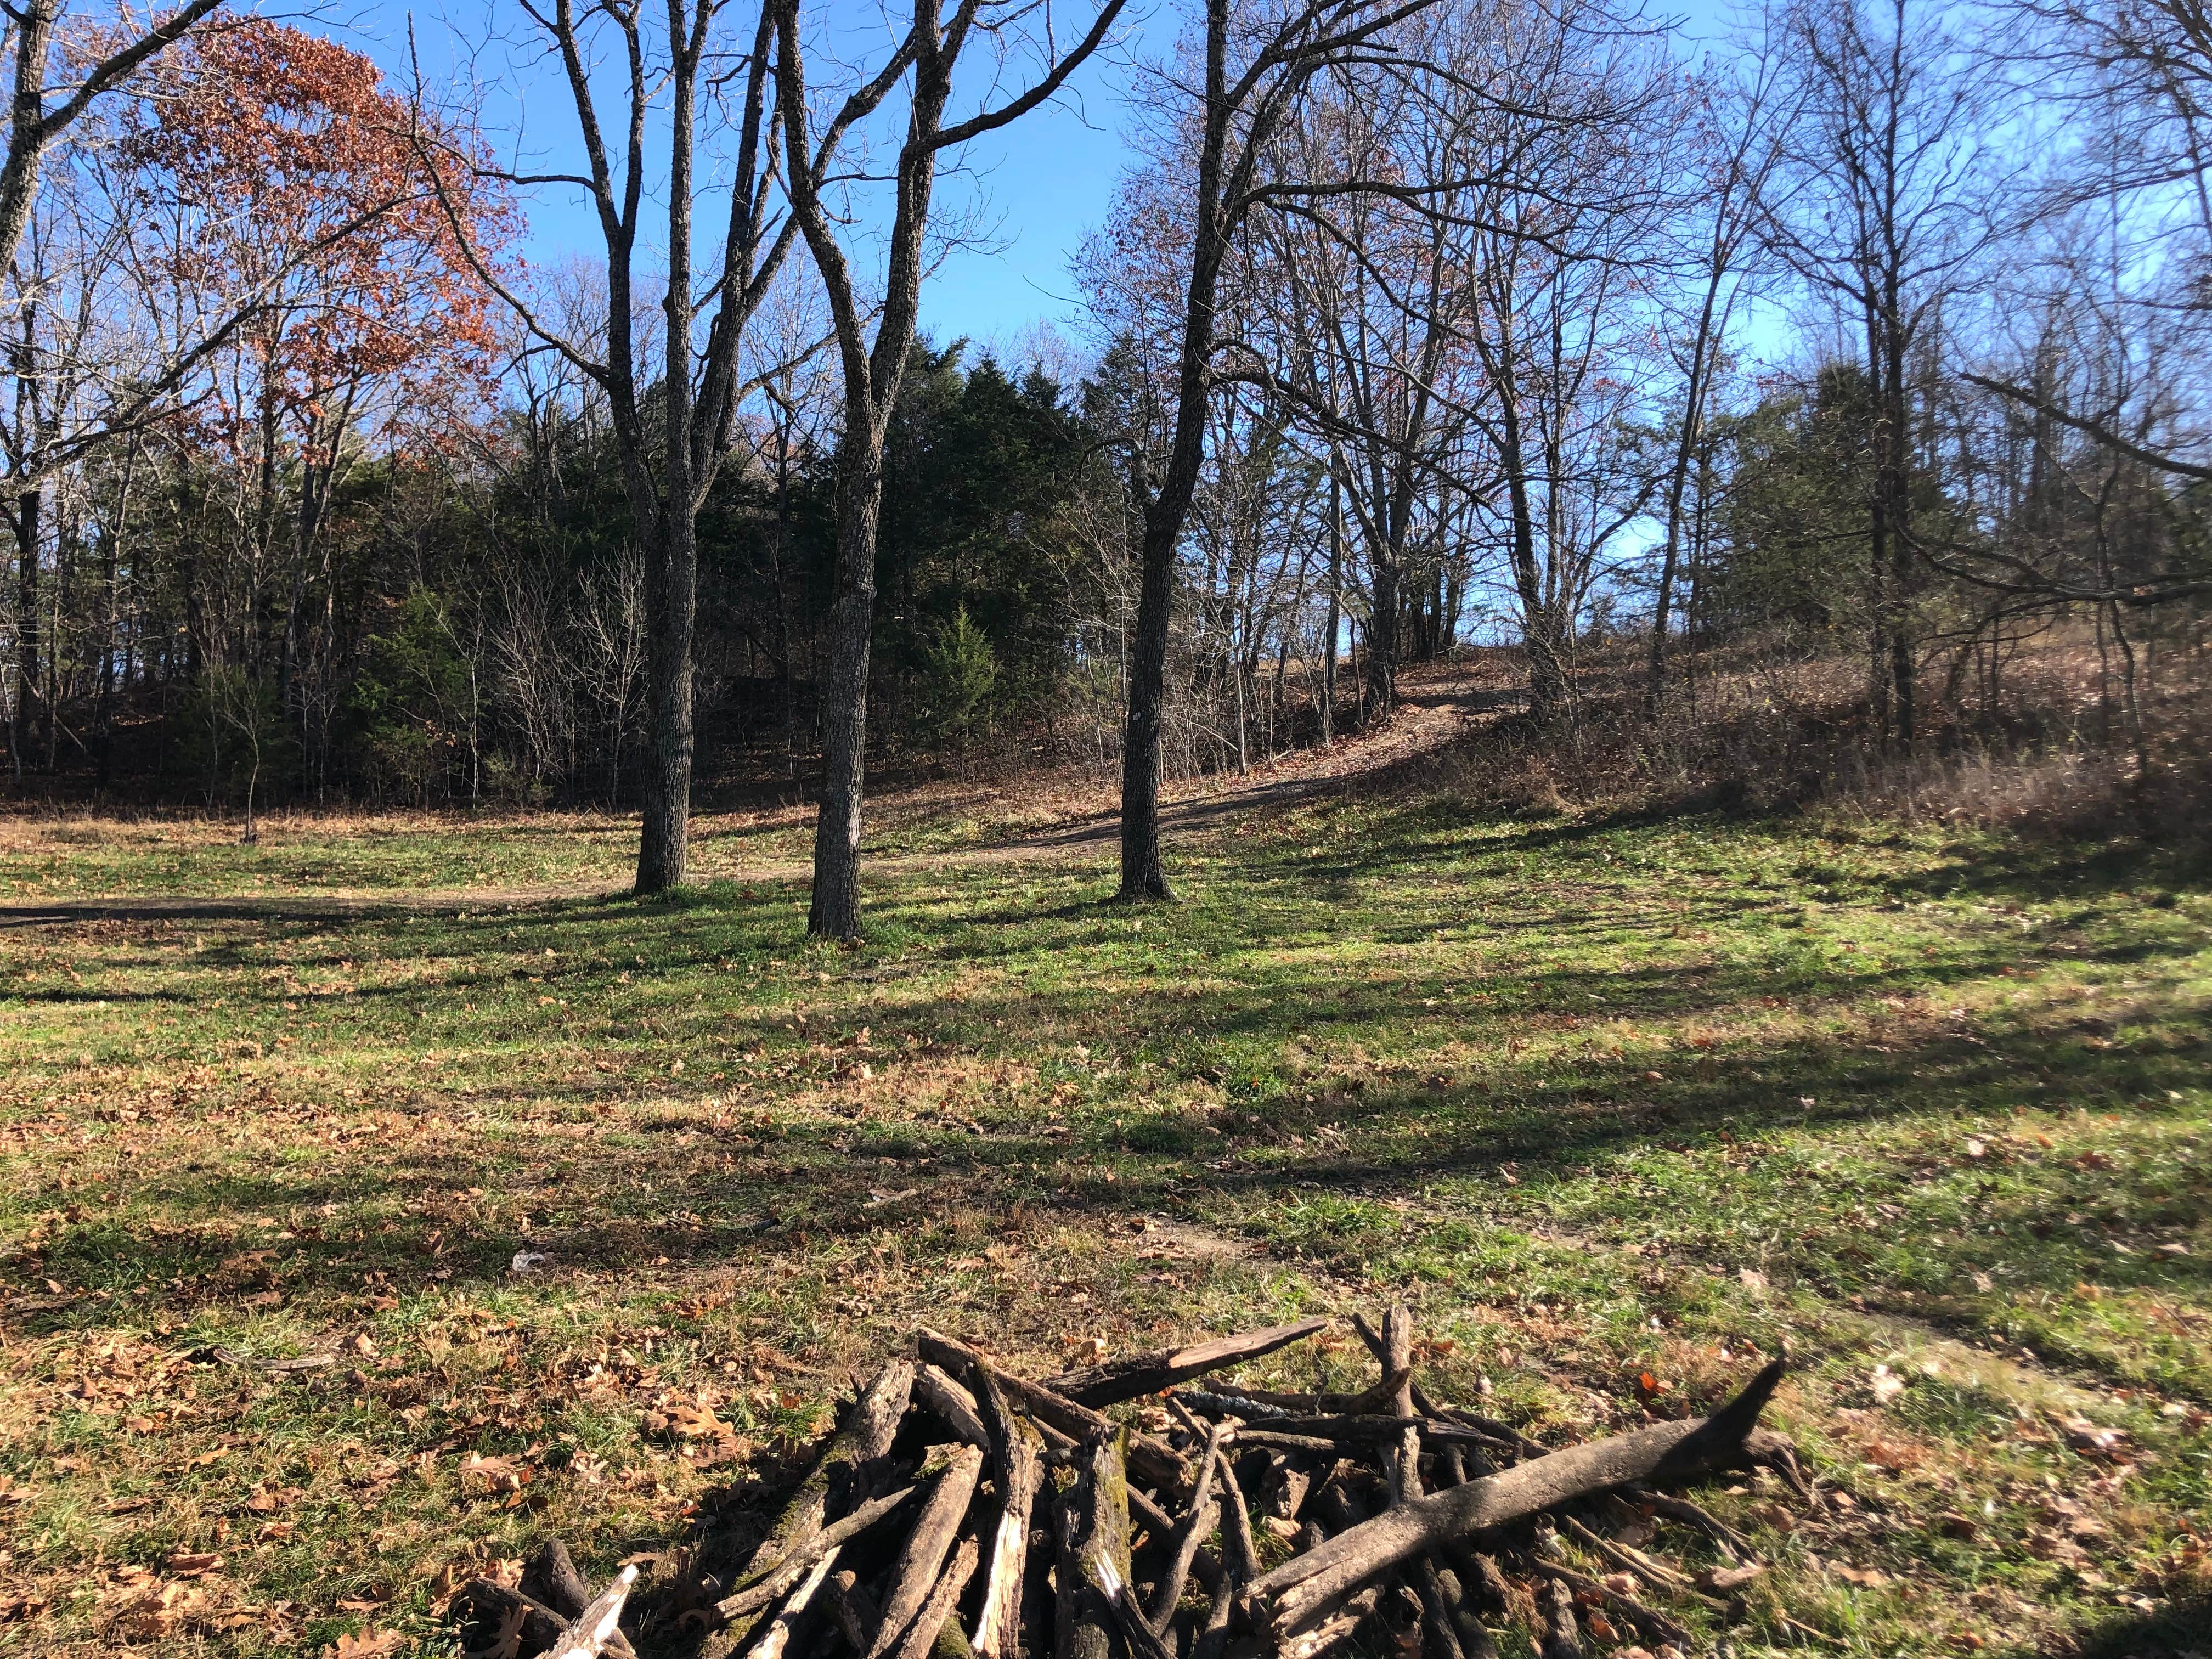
x=1035 y=189
x=1040 y=186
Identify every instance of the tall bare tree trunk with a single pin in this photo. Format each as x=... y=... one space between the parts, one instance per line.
x=1383 y=629
x=27 y=600
x=1332 y=620
x=672 y=576
x=1897 y=494
x=873 y=371
x=1678 y=478
x=1143 y=875
x=835 y=909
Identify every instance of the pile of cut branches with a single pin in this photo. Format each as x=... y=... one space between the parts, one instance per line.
x=963 y=1510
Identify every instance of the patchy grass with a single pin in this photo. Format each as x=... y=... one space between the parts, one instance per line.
x=1619 y=1106
x=76 y=855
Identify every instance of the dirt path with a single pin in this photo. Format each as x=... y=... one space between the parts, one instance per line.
x=1438 y=705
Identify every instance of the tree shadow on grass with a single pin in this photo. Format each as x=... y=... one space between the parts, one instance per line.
x=677 y=1188
x=2179 y=1629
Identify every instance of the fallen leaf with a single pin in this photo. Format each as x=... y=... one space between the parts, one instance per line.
x=694 y=1419
x=496 y=1474
x=1895 y=1459
x=369 y=1645
x=2091 y=1439
x=1723 y=1579
x=506 y=1641
x=155 y=1611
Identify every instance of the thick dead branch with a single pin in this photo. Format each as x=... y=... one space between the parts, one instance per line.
x=1155 y=1459
x=1237 y=1526
x=1562 y=1635
x=916 y=1574
x=551 y=1576
x=997 y=1632
x=1439 y=1634
x=537 y=1626
x=864 y=1437
x=776 y=1637
x=1191 y=1531
x=595 y=1627
x=1213 y=1635
x=929 y=1623
x=853 y=1609
x=1474 y=1641
x=553 y=1595
x=951 y=1403
x=1238 y=1401
x=1210 y=1403
x=1305 y=1588
x=1081 y=1620
x=1372 y=1431
x=1151 y=1373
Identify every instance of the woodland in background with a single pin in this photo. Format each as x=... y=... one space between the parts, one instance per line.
x=1841 y=380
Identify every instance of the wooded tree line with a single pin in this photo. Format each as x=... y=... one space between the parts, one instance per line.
x=1875 y=332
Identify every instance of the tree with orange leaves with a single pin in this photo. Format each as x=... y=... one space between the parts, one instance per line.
x=275 y=184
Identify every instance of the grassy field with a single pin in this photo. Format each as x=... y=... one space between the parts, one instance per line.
x=1621 y=1107
x=346 y=855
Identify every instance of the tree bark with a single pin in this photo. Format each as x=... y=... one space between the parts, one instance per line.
x=671 y=577
x=915 y=1577
x=29 y=507
x=834 y=911
x=865 y=1435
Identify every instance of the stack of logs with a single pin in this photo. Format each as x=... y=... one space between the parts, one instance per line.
x=961 y=1511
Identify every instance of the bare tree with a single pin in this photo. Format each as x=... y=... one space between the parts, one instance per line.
x=1257 y=65
x=1878 y=207
x=1365 y=294
x=1742 y=131
x=1572 y=151
x=672 y=444
x=41 y=111
x=929 y=51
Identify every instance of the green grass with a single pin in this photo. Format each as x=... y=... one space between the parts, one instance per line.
x=1606 y=1101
